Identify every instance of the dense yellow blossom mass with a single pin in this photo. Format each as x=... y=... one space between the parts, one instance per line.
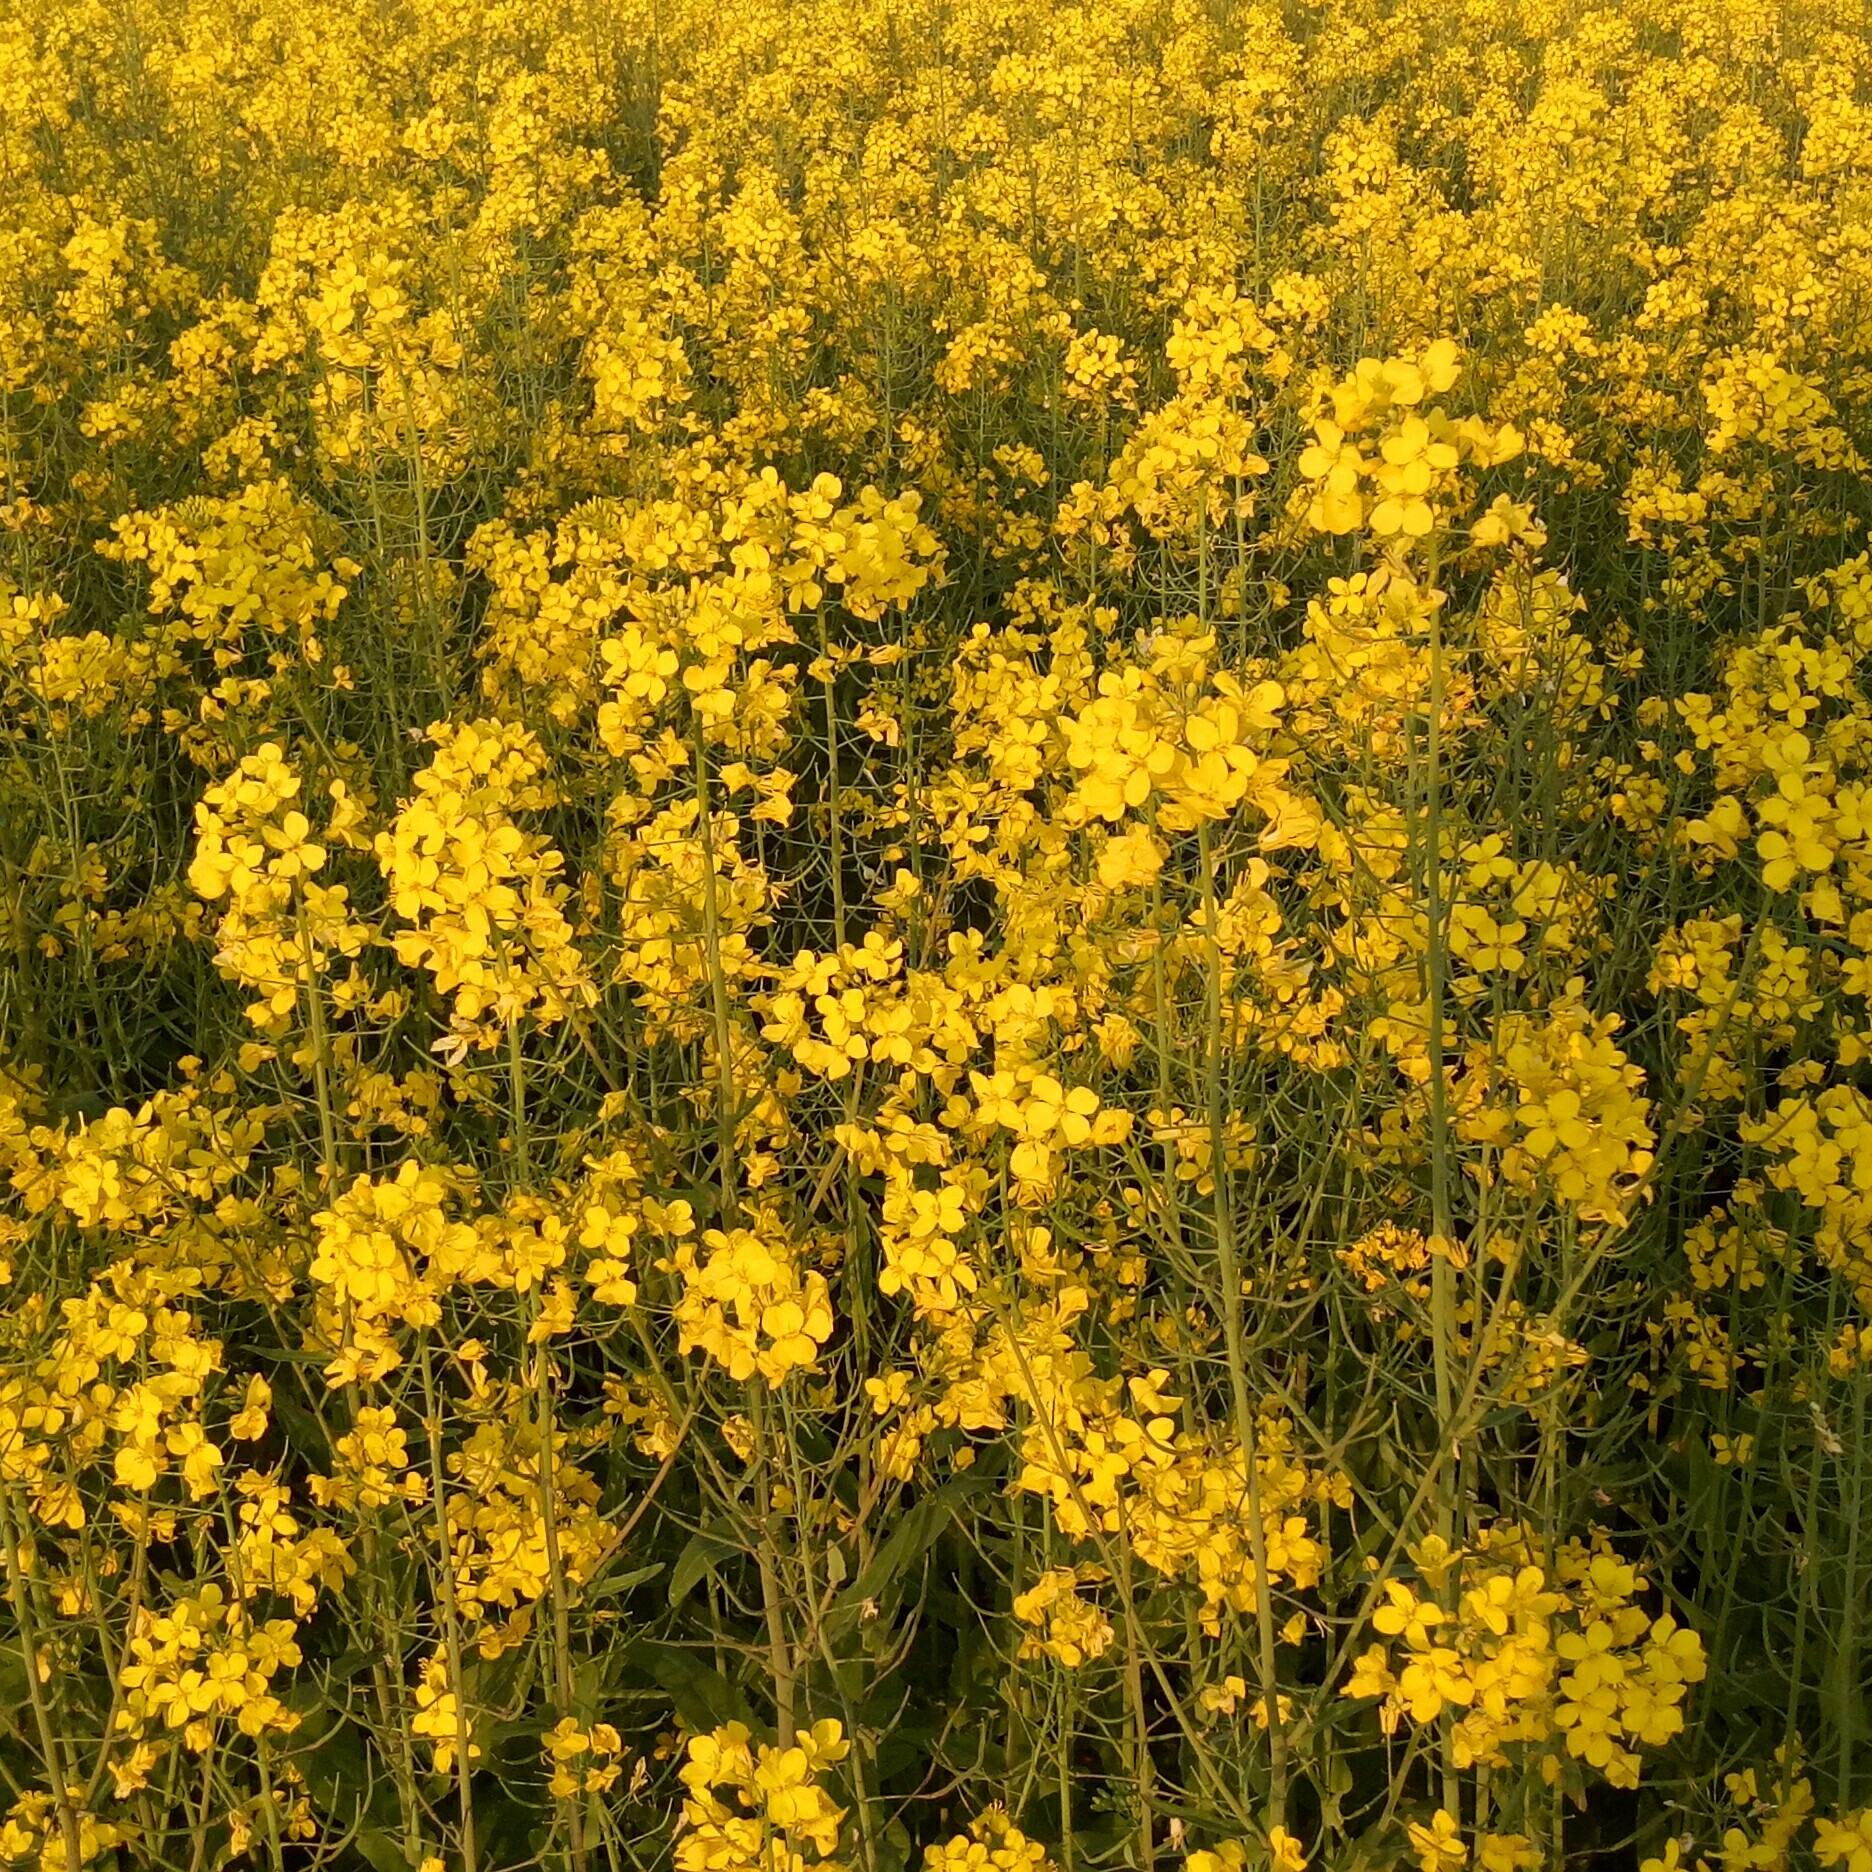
x=935 y=933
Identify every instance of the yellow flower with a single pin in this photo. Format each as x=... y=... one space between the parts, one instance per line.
x=1286 y=1853
x=1845 y=1841
x=1439 y=1846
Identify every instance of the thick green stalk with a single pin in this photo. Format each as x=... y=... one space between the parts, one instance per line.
x=1235 y=1338
x=1442 y=1267
x=51 y=1744
x=451 y=1612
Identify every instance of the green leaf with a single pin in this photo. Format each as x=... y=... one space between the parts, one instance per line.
x=381 y=1850
x=703 y=1697
x=705 y=1551
x=605 y=1588
x=303 y=1430
x=916 y=1532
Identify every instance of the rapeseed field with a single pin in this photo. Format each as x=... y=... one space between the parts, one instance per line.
x=935 y=935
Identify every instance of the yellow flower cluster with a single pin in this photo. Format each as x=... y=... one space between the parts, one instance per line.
x=201 y=1659
x=1005 y=866
x=748 y=1303
x=1408 y=486
x=754 y=1805
x=479 y=894
x=1520 y=1660
x=255 y=848
x=993 y=1843
x=1579 y=1123
x=1189 y=1506
x=1068 y=1627
x=440 y=1718
x=583 y=1761
x=373 y=1465
x=515 y=1544
x=31 y=1834
x=383 y=1247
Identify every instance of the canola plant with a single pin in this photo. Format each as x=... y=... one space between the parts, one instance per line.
x=935 y=935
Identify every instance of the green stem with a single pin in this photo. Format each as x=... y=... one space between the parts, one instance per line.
x=451 y=1613
x=50 y=1745
x=1236 y=1340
